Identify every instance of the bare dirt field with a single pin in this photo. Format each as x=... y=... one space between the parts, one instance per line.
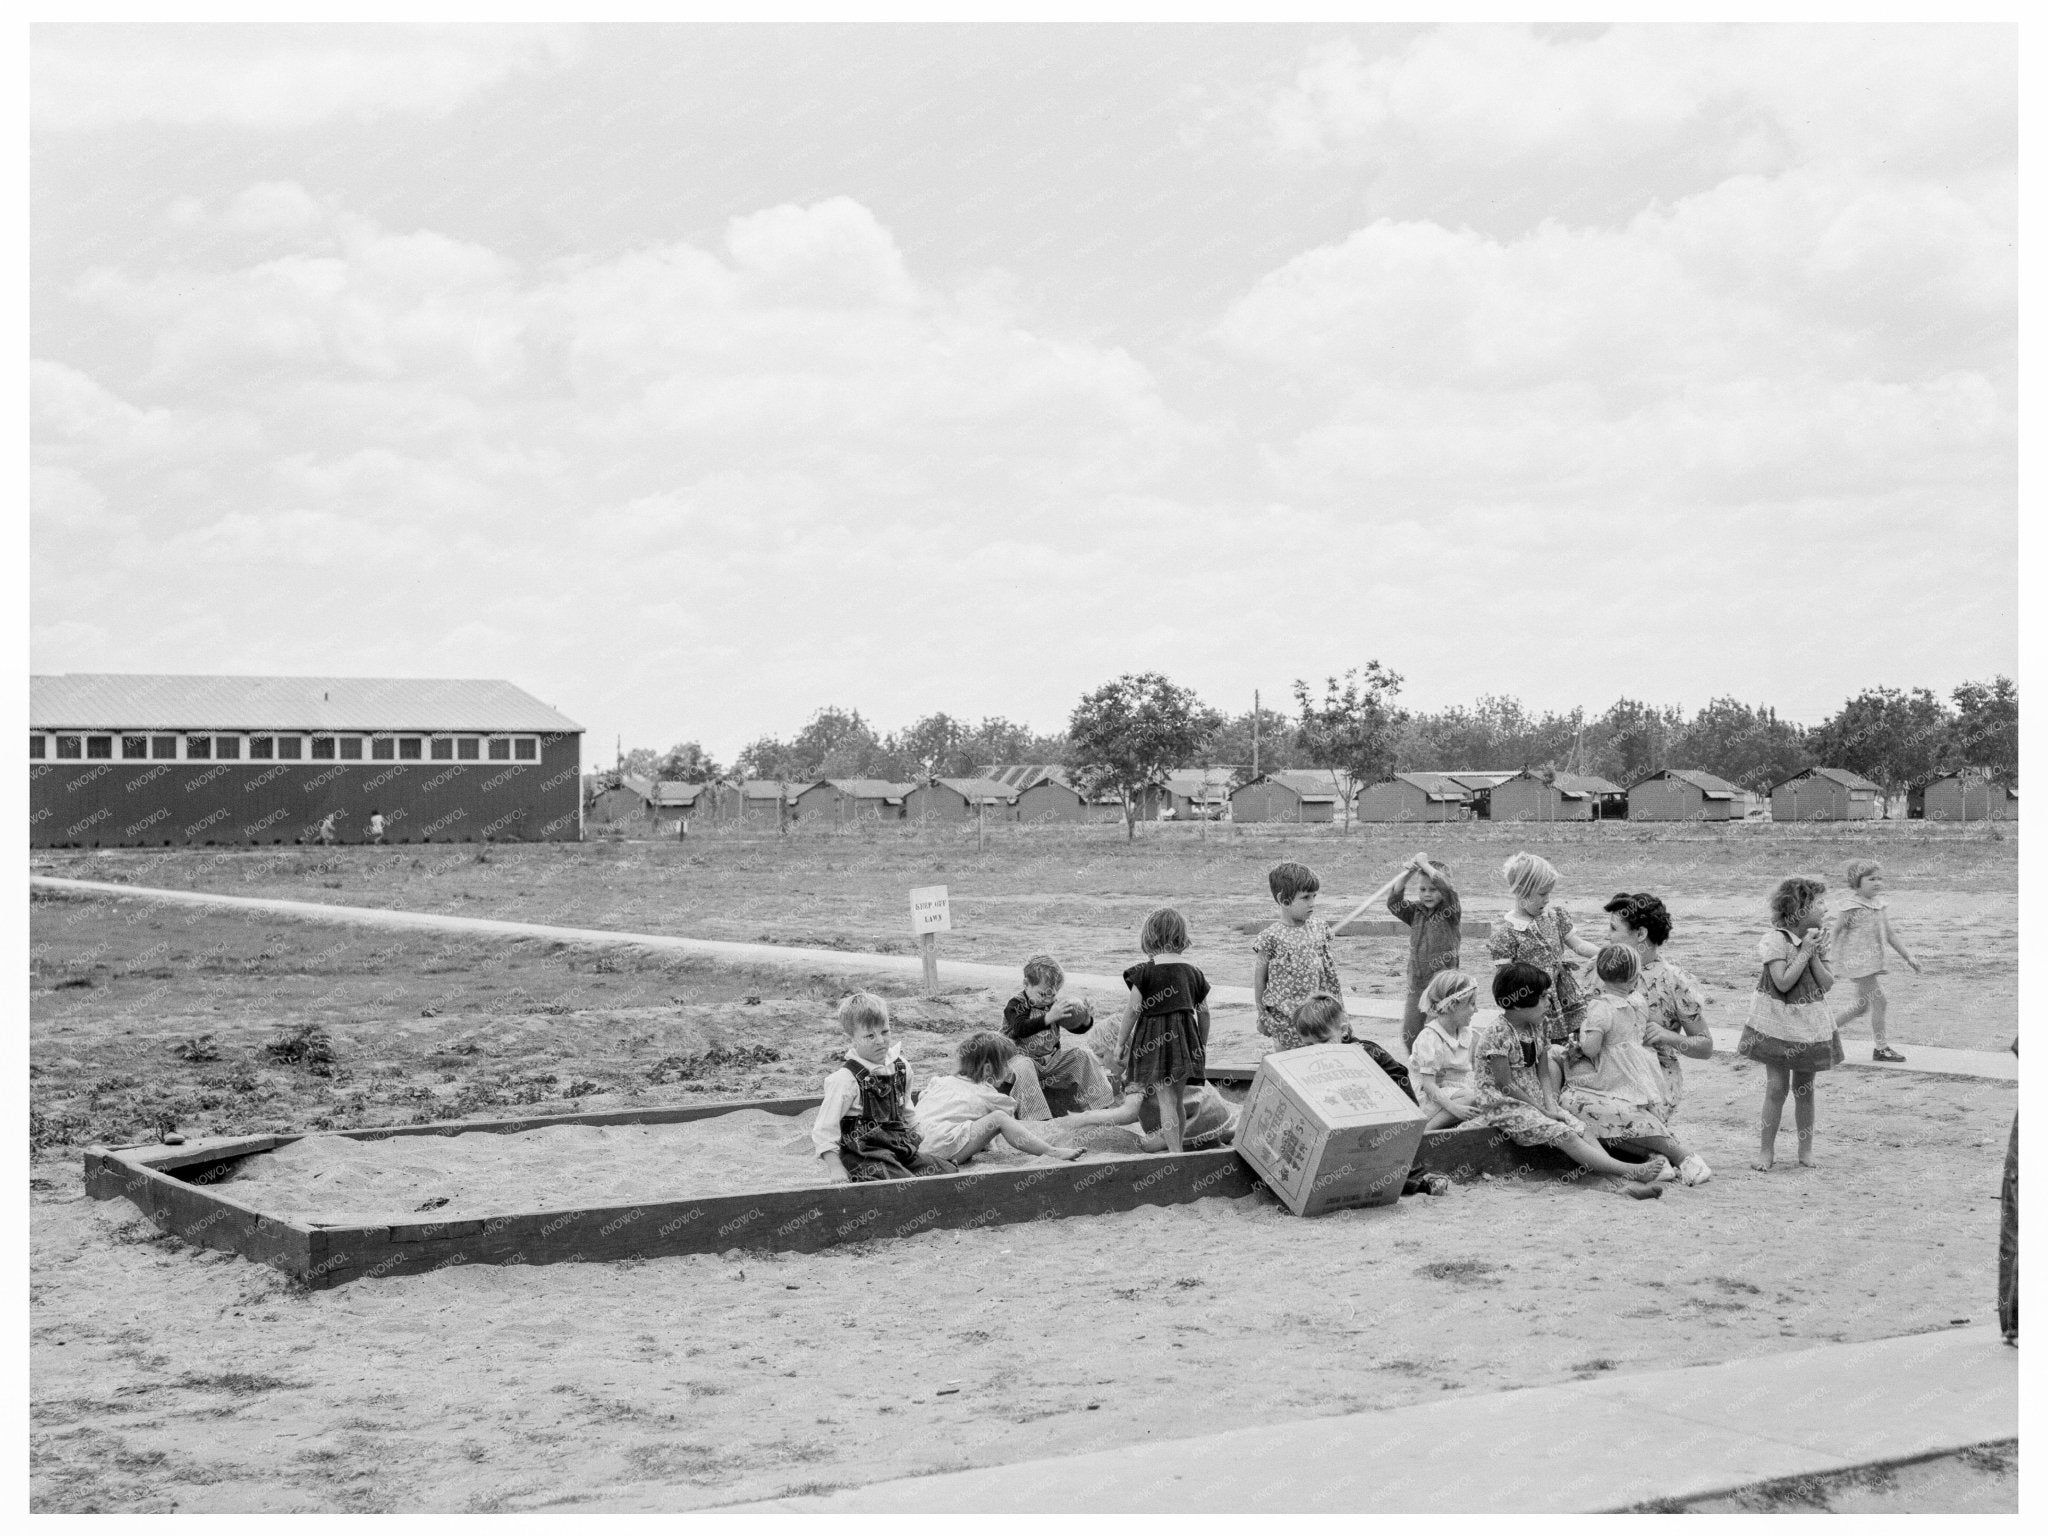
x=1081 y=893
x=164 y=1377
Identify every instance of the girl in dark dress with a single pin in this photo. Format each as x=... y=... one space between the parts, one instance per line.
x=1166 y=1021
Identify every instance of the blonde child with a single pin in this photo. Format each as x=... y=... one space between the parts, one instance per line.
x=865 y=1120
x=1440 y=1060
x=1791 y=1029
x=1166 y=1022
x=1294 y=961
x=1856 y=942
x=1614 y=1082
x=1536 y=932
x=960 y=1114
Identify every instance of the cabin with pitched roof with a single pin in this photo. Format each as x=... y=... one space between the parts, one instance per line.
x=1827 y=794
x=1289 y=795
x=843 y=802
x=1418 y=796
x=1533 y=796
x=1686 y=794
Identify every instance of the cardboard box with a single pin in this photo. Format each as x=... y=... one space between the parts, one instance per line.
x=1328 y=1130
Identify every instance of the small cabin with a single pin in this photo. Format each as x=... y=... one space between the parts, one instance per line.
x=959 y=800
x=1827 y=794
x=842 y=802
x=1532 y=796
x=1685 y=794
x=1418 y=796
x=1968 y=797
x=1292 y=795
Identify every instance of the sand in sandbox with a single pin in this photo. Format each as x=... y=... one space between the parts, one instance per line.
x=341 y=1181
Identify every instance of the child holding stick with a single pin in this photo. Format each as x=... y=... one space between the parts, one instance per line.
x=1791 y=1029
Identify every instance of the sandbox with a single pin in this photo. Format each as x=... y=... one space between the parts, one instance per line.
x=636 y=1183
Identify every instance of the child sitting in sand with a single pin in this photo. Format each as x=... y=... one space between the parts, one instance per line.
x=1322 y=1021
x=1053 y=1078
x=960 y=1114
x=865 y=1117
x=1613 y=1081
x=1440 y=1061
x=1166 y=1021
x=1517 y=1082
x=1294 y=957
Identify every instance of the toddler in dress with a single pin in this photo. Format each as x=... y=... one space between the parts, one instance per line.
x=1294 y=961
x=1857 y=939
x=1791 y=1030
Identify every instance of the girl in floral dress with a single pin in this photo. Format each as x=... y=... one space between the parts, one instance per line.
x=1515 y=1081
x=1533 y=932
x=1294 y=957
x=1791 y=1028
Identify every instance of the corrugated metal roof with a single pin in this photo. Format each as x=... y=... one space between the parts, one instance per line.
x=153 y=701
x=1022 y=775
x=1841 y=776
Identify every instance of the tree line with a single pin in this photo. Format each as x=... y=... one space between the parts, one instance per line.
x=1123 y=735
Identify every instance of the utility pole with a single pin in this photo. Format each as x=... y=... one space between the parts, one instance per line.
x=1255 y=733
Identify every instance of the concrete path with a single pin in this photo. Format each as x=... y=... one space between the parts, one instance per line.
x=1603 y=1444
x=1920 y=1058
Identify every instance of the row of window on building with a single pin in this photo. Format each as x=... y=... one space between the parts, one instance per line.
x=189 y=746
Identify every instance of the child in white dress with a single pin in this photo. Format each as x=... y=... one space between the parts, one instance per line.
x=959 y=1115
x=1440 y=1060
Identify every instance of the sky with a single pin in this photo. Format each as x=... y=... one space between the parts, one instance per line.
x=693 y=378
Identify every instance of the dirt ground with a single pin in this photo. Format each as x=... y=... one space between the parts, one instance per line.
x=163 y=1377
x=1082 y=893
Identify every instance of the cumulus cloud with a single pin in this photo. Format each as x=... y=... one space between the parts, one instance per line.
x=265 y=77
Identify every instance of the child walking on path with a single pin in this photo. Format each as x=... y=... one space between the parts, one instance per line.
x=1791 y=1029
x=1053 y=1078
x=865 y=1117
x=1166 y=1022
x=1534 y=932
x=1294 y=957
x=1856 y=943
x=1671 y=998
x=1422 y=897
x=1440 y=1060
x=1516 y=1081
x=961 y=1114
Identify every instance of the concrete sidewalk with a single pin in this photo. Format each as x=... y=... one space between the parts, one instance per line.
x=2001 y=1065
x=1586 y=1446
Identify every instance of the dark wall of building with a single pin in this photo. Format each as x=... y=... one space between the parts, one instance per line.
x=230 y=804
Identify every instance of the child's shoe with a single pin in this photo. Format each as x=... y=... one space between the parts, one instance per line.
x=1694 y=1171
x=1885 y=1053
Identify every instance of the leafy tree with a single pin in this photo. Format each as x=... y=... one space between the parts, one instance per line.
x=1987 y=728
x=1278 y=747
x=1633 y=740
x=1351 y=732
x=1128 y=734
x=688 y=763
x=836 y=744
x=1898 y=738
x=641 y=762
x=768 y=757
x=931 y=747
x=1750 y=747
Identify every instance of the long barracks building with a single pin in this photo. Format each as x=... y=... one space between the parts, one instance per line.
x=121 y=761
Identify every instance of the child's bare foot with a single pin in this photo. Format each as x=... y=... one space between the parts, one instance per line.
x=1650 y=1172
x=1763 y=1162
x=1806 y=1157
x=1067 y=1154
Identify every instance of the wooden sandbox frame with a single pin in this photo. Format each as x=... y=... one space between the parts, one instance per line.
x=173 y=1187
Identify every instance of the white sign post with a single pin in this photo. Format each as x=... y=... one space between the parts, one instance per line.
x=930 y=916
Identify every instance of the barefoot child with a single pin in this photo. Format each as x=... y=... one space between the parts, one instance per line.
x=960 y=1115
x=1613 y=1082
x=1440 y=1060
x=1053 y=1078
x=1166 y=1022
x=1671 y=998
x=1294 y=957
x=1856 y=940
x=1516 y=1080
x=865 y=1119
x=1791 y=1029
